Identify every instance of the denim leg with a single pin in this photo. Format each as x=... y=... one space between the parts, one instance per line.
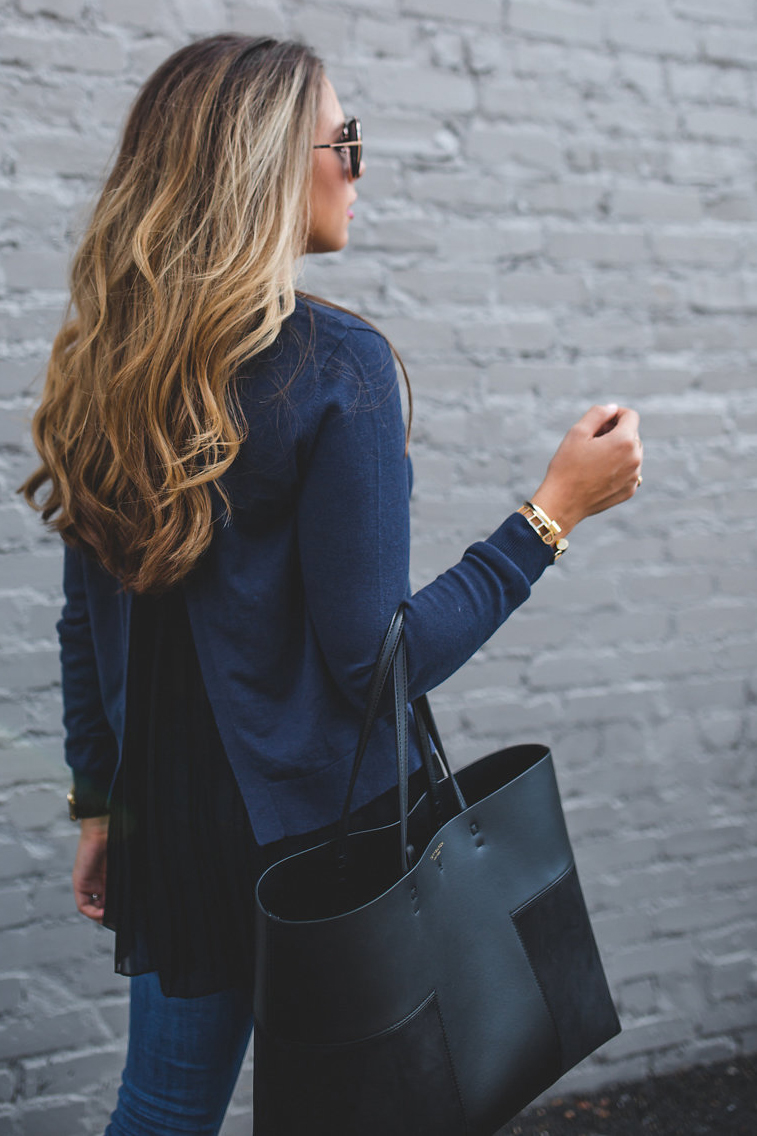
x=182 y=1063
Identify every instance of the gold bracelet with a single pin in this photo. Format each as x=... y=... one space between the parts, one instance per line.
x=77 y=812
x=544 y=527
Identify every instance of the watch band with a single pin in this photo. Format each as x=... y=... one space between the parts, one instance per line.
x=547 y=529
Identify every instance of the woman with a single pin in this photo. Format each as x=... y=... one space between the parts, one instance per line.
x=227 y=465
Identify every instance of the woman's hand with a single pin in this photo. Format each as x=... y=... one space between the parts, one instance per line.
x=89 y=867
x=597 y=465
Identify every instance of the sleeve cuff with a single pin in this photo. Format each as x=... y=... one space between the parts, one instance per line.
x=518 y=541
x=91 y=800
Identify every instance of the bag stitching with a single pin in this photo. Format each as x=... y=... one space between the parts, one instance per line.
x=451 y=1062
x=541 y=991
x=548 y=887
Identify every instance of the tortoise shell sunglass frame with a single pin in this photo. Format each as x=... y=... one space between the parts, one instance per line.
x=352 y=140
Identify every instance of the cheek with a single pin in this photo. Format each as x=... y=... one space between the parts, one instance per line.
x=333 y=198
x=324 y=194
x=329 y=201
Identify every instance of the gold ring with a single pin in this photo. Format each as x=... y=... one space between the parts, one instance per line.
x=639 y=480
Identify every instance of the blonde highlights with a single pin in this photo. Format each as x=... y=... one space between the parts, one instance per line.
x=186 y=270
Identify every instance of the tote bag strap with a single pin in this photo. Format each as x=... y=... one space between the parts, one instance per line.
x=380 y=674
x=392 y=659
x=428 y=732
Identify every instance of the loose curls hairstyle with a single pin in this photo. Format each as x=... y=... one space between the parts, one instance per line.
x=187 y=269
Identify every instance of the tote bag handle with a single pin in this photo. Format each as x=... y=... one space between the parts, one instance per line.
x=392 y=658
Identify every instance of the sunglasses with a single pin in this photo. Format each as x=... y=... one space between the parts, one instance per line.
x=351 y=141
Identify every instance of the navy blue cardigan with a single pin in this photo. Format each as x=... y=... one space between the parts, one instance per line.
x=290 y=603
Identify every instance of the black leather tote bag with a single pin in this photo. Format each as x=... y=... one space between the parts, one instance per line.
x=432 y=977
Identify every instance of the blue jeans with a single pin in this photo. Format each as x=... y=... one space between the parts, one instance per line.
x=182 y=1063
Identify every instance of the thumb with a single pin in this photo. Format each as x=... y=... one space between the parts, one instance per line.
x=598 y=420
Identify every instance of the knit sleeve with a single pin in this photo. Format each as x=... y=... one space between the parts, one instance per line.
x=90 y=744
x=354 y=538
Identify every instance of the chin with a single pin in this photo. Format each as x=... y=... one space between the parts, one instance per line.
x=327 y=246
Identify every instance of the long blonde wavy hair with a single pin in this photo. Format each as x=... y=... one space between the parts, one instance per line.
x=187 y=269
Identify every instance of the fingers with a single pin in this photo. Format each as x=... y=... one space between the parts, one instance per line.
x=90 y=869
x=609 y=418
x=91 y=904
x=598 y=420
x=627 y=421
x=597 y=465
x=92 y=912
x=625 y=436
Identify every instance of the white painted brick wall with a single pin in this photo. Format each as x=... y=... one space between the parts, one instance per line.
x=560 y=207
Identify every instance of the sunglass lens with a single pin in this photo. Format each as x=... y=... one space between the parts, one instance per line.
x=355 y=134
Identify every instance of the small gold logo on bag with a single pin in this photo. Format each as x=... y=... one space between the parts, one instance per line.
x=437 y=851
